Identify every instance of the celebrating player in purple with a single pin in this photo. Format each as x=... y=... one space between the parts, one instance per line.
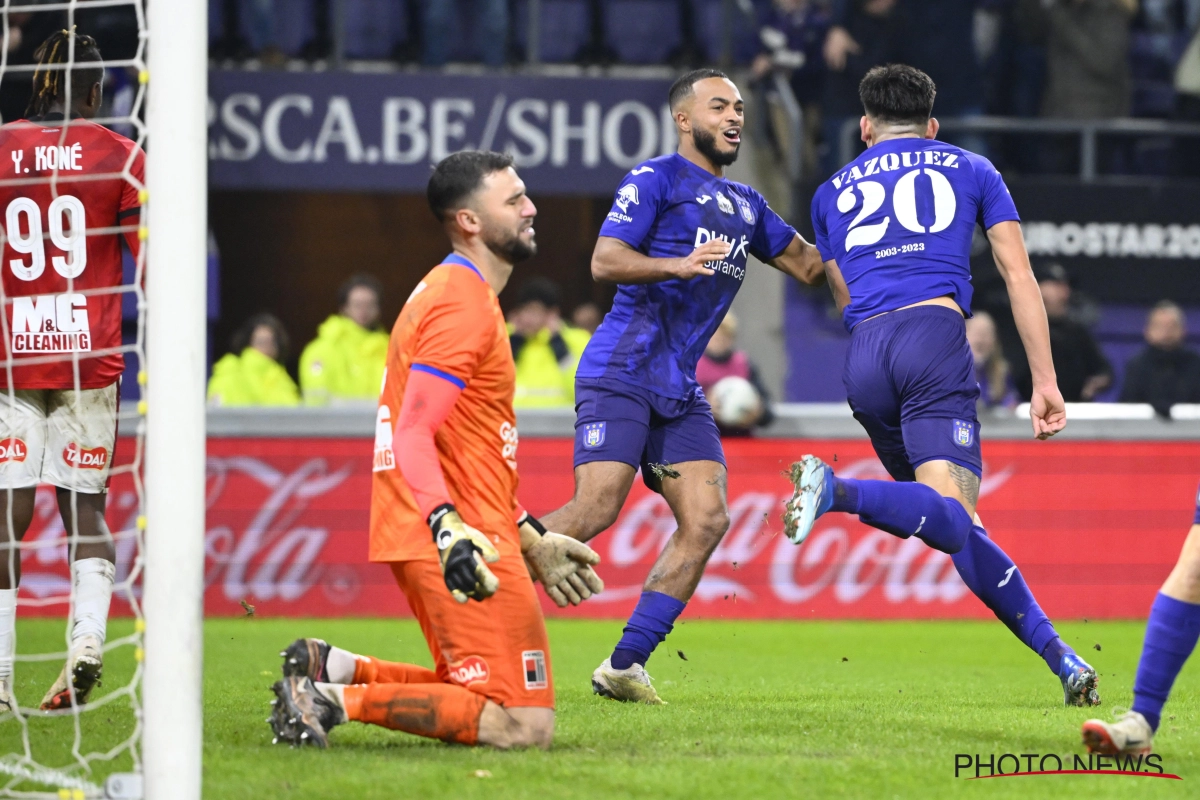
x=676 y=242
x=1171 y=635
x=894 y=228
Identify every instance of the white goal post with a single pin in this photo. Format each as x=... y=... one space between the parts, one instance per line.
x=176 y=178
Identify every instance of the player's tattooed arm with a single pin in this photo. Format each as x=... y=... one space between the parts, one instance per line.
x=967 y=483
x=802 y=261
x=614 y=261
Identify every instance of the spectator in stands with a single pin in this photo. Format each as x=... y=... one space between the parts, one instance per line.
x=940 y=41
x=587 y=317
x=1087 y=69
x=1083 y=371
x=252 y=374
x=26 y=31
x=722 y=360
x=791 y=34
x=346 y=360
x=545 y=349
x=1187 y=108
x=865 y=34
x=996 y=389
x=441 y=25
x=1166 y=372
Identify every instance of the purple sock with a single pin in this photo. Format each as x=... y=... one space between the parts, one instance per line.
x=1171 y=634
x=994 y=578
x=649 y=624
x=904 y=510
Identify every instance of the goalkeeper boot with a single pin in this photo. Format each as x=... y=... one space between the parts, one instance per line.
x=1078 y=681
x=8 y=703
x=306 y=657
x=627 y=685
x=813 y=479
x=300 y=714
x=1130 y=735
x=85 y=664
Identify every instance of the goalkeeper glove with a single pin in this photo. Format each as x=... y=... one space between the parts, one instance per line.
x=562 y=564
x=463 y=552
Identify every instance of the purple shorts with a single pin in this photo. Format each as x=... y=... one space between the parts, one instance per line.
x=617 y=421
x=910 y=380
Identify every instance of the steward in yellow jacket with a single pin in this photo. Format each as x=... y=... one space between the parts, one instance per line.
x=346 y=360
x=546 y=350
x=250 y=376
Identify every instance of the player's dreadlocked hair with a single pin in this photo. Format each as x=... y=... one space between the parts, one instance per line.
x=49 y=85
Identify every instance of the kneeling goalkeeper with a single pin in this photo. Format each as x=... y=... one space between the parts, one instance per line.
x=444 y=513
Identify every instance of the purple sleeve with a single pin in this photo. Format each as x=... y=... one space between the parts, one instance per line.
x=820 y=234
x=772 y=235
x=995 y=202
x=636 y=205
x=1196 y=519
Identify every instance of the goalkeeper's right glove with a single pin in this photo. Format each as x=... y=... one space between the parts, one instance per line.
x=462 y=551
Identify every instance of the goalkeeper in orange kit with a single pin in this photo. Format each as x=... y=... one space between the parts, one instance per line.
x=444 y=513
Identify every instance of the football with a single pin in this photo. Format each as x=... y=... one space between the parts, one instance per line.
x=735 y=402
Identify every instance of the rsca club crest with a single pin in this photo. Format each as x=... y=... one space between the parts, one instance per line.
x=744 y=207
x=593 y=434
x=627 y=195
x=964 y=433
x=724 y=204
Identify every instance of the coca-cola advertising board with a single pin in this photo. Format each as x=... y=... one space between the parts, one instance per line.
x=1094 y=526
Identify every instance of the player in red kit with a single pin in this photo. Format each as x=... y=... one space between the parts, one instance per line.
x=69 y=189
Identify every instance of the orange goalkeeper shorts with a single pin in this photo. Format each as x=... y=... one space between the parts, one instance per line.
x=497 y=647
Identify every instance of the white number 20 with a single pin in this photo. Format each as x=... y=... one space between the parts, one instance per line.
x=904 y=204
x=68 y=236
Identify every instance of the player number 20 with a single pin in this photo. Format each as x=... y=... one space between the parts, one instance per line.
x=68 y=232
x=904 y=204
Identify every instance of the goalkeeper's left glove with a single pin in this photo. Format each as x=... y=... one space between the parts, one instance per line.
x=463 y=551
x=562 y=564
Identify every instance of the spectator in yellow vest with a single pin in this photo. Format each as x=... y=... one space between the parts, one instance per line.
x=252 y=374
x=345 y=362
x=546 y=349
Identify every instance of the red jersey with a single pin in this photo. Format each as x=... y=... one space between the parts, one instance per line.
x=61 y=250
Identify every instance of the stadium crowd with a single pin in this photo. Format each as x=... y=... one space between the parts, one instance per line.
x=1067 y=59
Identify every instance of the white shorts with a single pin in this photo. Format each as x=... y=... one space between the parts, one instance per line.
x=61 y=437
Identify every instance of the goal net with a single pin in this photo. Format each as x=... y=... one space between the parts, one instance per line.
x=60 y=321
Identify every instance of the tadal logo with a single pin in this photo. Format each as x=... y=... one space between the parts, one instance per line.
x=84 y=458
x=13 y=450
x=472 y=669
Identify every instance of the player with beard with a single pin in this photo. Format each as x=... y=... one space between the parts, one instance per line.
x=676 y=242
x=444 y=510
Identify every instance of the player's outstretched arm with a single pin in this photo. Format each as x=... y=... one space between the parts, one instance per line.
x=802 y=261
x=1047 y=410
x=614 y=261
x=562 y=564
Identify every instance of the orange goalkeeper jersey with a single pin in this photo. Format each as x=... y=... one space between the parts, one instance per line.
x=451 y=326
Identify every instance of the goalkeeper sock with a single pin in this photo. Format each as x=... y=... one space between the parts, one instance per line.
x=8 y=633
x=93 y=585
x=905 y=509
x=649 y=624
x=333 y=693
x=368 y=669
x=435 y=710
x=341 y=666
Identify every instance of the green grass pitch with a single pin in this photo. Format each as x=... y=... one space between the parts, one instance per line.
x=757 y=709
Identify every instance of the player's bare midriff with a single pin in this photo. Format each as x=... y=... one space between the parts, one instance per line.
x=945 y=301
